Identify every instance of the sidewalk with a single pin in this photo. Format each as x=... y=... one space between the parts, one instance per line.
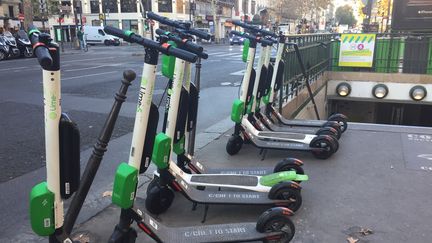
x=369 y=184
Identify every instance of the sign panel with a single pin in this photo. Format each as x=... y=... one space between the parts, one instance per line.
x=414 y=15
x=357 y=50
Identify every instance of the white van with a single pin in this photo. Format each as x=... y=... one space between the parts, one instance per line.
x=97 y=35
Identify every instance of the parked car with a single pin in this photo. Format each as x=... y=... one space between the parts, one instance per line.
x=236 y=40
x=96 y=35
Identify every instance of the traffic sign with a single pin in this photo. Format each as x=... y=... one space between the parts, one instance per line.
x=21 y=17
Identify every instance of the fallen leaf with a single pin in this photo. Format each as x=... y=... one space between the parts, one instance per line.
x=366 y=231
x=352 y=240
x=107 y=194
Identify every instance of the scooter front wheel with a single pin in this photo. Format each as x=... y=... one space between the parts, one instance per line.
x=284 y=191
x=234 y=144
x=328 y=131
x=277 y=220
x=341 y=119
x=323 y=147
x=159 y=199
x=290 y=164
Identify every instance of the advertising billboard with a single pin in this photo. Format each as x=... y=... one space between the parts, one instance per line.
x=412 y=15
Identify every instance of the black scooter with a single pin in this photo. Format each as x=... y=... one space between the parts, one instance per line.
x=4 y=49
x=23 y=44
x=11 y=42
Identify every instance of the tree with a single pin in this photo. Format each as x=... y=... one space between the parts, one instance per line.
x=296 y=9
x=344 y=15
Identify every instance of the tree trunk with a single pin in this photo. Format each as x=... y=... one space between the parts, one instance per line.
x=28 y=13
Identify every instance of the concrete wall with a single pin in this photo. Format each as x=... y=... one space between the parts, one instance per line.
x=301 y=107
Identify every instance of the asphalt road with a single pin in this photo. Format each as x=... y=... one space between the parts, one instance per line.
x=89 y=81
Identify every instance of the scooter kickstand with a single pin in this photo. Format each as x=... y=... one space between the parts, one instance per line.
x=206 y=207
x=264 y=153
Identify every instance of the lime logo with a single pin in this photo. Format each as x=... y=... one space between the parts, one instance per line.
x=53 y=107
x=52 y=115
x=143 y=81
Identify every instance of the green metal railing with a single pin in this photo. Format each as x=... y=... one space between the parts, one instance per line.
x=394 y=53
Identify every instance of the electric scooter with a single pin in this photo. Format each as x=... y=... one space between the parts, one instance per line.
x=247 y=126
x=63 y=151
x=23 y=44
x=266 y=73
x=127 y=174
x=276 y=83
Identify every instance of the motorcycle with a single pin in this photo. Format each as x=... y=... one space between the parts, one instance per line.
x=11 y=42
x=4 y=49
x=23 y=44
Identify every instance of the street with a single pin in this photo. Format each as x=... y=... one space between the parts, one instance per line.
x=89 y=81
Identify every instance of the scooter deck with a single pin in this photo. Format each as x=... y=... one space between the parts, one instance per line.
x=226 y=196
x=289 y=128
x=244 y=171
x=297 y=122
x=235 y=180
x=239 y=232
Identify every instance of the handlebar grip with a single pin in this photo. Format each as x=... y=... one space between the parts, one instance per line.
x=43 y=56
x=163 y=20
x=200 y=34
x=116 y=32
x=203 y=55
x=182 y=54
x=268 y=33
x=266 y=42
x=189 y=45
x=241 y=24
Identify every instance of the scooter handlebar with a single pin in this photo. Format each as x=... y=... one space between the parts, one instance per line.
x=40 y=49
x=200 y=34
x=258 y=39
x=180 y=25
x=253 y=28
x=182 y=54
x=164 y=48
x=182 y=42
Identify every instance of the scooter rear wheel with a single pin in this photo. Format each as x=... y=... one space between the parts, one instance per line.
x=159 y=199
x=341 y=119
x=284 y=191
x=333 y=124
x=234 y=144
x=276 y=220
x=323 y=147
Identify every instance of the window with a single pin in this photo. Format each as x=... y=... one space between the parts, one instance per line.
x=112 y=23
x=128 y=6
x=94 y=6
x=101 y=32
x=11 y=12
x=109 y=6
x=165 y=6
x=131 y=25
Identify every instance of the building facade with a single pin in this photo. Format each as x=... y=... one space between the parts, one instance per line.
x=130 y=14
x=9 y=10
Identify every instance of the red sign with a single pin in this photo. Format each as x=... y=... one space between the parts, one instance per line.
x=83 y=20
x=60 y=20
x=21 y=16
